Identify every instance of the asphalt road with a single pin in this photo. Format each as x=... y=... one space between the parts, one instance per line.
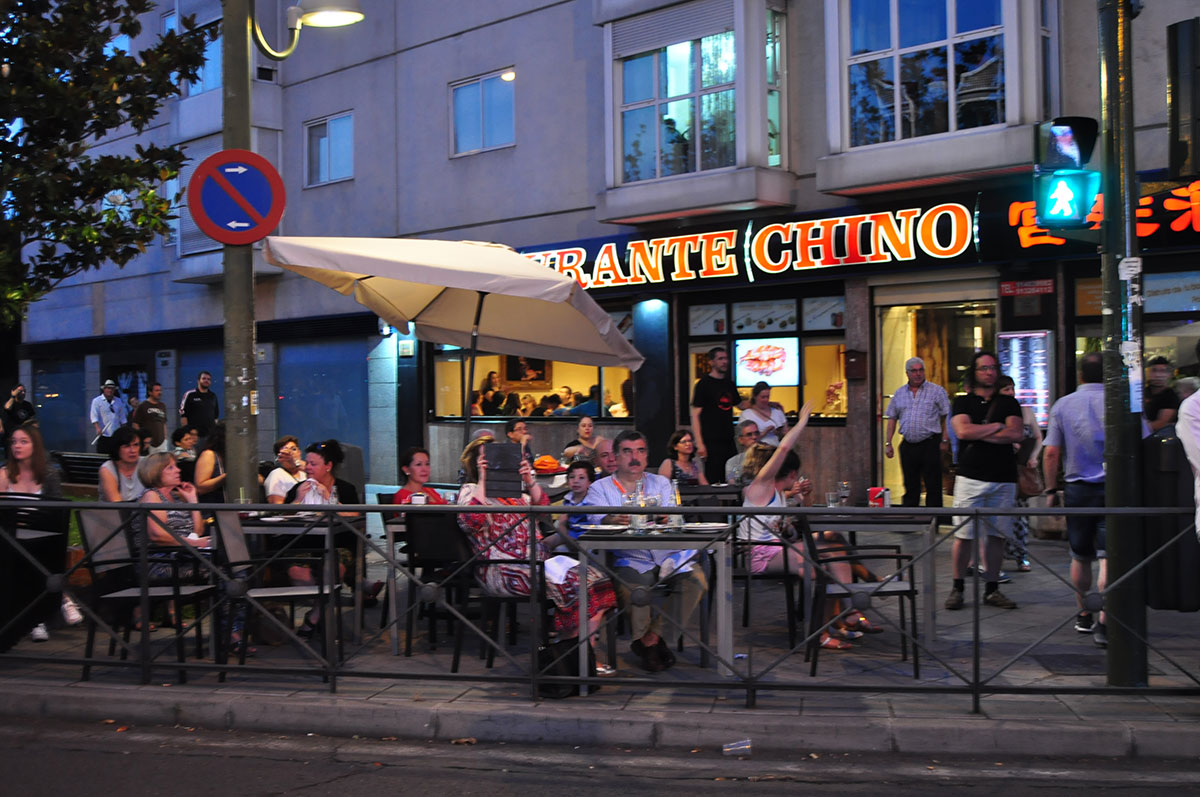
x=56 y=758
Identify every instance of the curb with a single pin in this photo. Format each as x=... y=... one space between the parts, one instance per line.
x=573 y=724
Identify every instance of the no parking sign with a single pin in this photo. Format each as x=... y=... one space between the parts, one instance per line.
x=236 y=197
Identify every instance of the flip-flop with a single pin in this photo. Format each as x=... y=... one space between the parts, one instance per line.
x=864 y=625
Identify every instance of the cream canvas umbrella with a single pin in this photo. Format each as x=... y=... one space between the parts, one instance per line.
x=477 y=296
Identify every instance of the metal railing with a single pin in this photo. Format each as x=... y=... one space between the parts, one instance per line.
x=975 y=659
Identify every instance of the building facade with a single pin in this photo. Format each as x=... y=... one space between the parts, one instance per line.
x=824 y=187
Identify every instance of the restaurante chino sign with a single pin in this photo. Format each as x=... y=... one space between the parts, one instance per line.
x=941 y=232
x=992 y=226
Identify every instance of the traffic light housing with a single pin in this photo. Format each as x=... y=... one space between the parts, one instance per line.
x=1063 y=187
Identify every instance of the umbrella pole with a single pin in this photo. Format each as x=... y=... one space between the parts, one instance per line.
x=471 y=370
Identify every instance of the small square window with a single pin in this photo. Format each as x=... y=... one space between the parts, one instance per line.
x=484 y=112
x=330 y=145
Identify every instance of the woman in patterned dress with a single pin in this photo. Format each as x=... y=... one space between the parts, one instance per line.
x=506 y=536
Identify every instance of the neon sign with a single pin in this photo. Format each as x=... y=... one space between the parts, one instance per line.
x=941 y=232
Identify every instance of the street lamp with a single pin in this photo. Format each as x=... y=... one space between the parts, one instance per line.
x=239 y=25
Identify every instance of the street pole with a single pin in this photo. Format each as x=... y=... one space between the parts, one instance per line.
x=241 y=374
x=1120 y=271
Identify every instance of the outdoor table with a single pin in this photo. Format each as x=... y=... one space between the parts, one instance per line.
x=668 y=538
x=303 y=523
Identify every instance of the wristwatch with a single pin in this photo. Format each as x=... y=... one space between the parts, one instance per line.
x=1050 y=490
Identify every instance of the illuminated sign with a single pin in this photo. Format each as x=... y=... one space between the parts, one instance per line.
x=939 y=233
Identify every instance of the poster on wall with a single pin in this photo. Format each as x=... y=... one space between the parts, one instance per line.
x=775 y=361
x=707 y=319
x=773 y=316
x=825 y=312
x=623 y=321
x=1028 y=357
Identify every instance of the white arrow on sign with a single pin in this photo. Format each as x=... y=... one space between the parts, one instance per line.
x=235 y=169
x=233 y=225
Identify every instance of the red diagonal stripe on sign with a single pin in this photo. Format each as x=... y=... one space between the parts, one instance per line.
x=242 y=202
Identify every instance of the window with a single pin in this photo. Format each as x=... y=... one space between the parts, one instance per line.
x=209 y=76
x=58 y=393
x=677 y=105
x=307 y=408
x=330 y=144
x=922 y=67
x=118 y=44
x=483 y=112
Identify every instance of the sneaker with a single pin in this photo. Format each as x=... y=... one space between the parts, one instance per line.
x=39 y=633
x=999 y=600
x=1100 y=635
x=1023 y=565
x=71 y=613
x=954 y=600
x=605 y=670
x=1003 y=578
x=1085 y=623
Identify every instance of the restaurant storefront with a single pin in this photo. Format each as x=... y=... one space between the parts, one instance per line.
x=840 y=299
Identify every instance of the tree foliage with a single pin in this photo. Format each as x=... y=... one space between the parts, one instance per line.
x=63 y=208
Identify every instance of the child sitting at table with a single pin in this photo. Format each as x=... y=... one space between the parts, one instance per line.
x=579 y=478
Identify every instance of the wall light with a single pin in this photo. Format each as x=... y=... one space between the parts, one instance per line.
x=508 y=76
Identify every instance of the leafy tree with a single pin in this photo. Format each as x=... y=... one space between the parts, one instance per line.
x=63 y=88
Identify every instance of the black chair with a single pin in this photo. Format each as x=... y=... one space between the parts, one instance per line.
x=235 y=554
x=108 y=541
x=792 y=583
x=898 y=584
x=41 y=535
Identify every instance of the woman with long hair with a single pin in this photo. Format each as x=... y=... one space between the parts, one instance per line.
x=29 y=473
x=210 y=467
x=1029 y=452
x=681 y=463
x=504 y=539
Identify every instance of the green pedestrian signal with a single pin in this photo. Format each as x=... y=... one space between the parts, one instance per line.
x=1063 y=187
x=1065 y=197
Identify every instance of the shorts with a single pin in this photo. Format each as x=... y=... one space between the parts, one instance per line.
x=1085 y=533
x=978 y=494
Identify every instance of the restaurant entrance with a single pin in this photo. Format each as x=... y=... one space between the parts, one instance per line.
x=945 y=335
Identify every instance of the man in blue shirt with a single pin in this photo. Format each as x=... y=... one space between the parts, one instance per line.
x=921 y=408
x=641 y=568
x=1077 y=428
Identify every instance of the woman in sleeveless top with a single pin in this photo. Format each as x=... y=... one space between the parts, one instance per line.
x=118 y=477
x=210 y=467
x=681 y=463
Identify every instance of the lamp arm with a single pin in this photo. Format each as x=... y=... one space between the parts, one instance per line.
x=260 y=41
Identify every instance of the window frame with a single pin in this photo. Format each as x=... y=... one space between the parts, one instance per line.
x=309 y=181
x=496 y=74
x=842 y=59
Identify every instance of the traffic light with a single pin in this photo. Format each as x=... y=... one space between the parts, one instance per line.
x=1063 y=187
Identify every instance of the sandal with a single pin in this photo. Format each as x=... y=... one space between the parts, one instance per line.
x=829 y=643
x=864 y=625
x=846 y=633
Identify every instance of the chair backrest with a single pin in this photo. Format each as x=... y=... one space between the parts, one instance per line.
x=97 y=524
x=29 y=516
x=231 y=537
x=434 y=537
x=387 y=499
x=353 y=470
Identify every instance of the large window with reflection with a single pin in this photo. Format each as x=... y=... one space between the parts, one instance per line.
x=923 y=67
x=61 y=398
x=323 y=391
x=506 y=385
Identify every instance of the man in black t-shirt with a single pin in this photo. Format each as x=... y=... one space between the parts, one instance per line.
x=200 y=407
x=16 y=411
x=986 y=424
x=1161 y=404
x=713 y=401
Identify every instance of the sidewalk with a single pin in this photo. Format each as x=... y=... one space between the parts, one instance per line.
x=633 y=710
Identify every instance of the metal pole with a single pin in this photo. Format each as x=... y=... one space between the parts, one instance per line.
x=1121 y=277
x=468 y=387
x=241 y=374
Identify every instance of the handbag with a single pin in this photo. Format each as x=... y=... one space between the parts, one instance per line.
x=1029 y=481
x=561 y=658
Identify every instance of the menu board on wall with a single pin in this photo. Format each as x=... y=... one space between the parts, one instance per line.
x=773 y=316
x=1028 y=357
x=825 y=312
x=707 y=319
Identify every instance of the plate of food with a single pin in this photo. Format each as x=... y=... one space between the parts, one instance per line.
x=606 y=528
x=705 y=528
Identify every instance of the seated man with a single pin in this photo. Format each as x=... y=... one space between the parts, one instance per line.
x=747 y=436
x=641 y=568
x=517 y=431
x=605 y=460
x=291 y=470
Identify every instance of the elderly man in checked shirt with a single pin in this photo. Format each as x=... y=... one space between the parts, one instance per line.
x=921 y=408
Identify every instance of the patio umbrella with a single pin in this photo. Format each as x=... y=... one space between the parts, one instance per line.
x=468 y=294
